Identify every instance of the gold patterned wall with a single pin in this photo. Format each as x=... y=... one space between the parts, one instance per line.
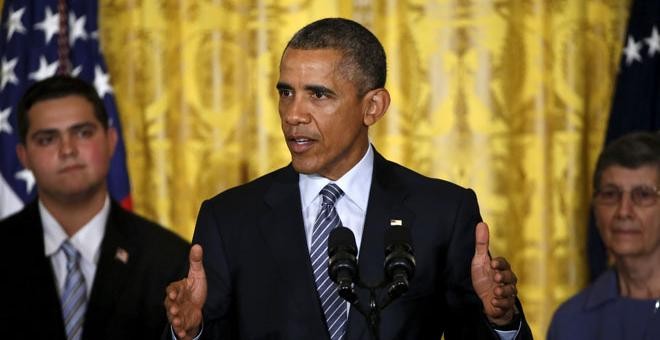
x=510 y=98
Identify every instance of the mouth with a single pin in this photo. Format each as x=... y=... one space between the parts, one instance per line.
x=71 y=168
x=301 y=140
x=299 y=144
x=626 y=232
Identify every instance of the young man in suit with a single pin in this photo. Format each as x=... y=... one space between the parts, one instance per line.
x=76 y=264
x=260 y=278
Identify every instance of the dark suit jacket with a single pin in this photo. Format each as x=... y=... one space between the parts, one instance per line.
x=260 y=279
x=126 y=301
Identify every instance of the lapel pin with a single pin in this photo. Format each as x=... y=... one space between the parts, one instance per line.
x=396 y=222
x=121 y=255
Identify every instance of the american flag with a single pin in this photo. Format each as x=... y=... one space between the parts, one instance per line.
x=39 y=38
x=636 y=105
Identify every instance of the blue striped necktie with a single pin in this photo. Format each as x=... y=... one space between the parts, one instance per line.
x=334 y=307
x=74 y=295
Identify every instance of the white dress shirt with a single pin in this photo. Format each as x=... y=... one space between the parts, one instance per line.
x=351 y=207
x=87 y=241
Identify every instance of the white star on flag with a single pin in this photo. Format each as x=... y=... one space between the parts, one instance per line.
x=27 y=176
x=654 y=42
x=632 y=50
x=15 y=23
x=45 y=70
x=101 y=82
x=76 y=28
x=8 y=75
x=76 y=71
x=4 y=120
x=50 y=25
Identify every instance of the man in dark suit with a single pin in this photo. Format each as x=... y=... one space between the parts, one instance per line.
x=76 y=264
x=261 y=278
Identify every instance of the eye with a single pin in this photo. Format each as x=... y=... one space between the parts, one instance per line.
x=86 y=132
x=285 y=92
x=644 y=195
x=608 y=195
x=44 y=140
x=319 y=94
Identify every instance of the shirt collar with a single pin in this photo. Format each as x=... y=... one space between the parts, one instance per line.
x=87 y=240
x=355 y=183
x=604 y=289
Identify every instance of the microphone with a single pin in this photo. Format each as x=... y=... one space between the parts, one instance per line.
x=342 y=264
x=399 y=260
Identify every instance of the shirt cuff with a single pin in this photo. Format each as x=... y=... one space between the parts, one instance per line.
x=194 y=338
x=508 y=335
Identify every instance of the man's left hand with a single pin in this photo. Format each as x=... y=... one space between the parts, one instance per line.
x=493 y=281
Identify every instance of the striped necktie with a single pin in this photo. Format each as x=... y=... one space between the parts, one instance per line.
x=334 y=307
x=74 y=295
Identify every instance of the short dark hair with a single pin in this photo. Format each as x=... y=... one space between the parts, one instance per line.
x=363 y=54
x=57 y=87
x=631 y=151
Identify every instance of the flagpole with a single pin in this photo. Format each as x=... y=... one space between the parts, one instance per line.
x=63 y=49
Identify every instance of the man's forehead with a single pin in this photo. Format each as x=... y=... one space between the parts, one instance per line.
x=321 y=55
x=324 y=67
x=61 y=113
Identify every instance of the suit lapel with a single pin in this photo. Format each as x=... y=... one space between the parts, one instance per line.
x=113 y=266
x=386 y=202
x=39 y=279
x=284 y=232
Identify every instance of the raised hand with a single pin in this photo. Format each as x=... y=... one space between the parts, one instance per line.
x=493 y=281
x=185 y=298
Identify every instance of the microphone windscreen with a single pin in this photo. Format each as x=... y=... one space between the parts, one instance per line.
x=342 y=237
x=397 y=235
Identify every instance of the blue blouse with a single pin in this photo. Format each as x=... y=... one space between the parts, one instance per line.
x=598 y=312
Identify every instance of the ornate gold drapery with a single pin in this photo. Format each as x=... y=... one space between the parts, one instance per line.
x=510 y=98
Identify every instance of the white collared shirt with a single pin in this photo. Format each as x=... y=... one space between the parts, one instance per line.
x=351 y=207
x=87 y=241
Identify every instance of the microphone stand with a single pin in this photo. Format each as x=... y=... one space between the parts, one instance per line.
x=399 y=267
x=373 y=314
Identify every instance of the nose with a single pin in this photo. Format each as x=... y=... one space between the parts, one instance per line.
x=68 y=146
x=625 y=206
x=294 y=111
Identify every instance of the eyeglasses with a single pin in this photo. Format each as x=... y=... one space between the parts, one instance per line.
x=641 y=196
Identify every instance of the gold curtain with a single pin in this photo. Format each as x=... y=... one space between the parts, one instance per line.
x=510 y=98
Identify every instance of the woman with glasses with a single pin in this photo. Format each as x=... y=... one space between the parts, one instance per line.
x=624 y=302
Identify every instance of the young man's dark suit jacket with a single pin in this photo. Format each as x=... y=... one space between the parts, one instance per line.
x=260 y=279
x=126 y=300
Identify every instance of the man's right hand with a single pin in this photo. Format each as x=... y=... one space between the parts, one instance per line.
x=185 y=298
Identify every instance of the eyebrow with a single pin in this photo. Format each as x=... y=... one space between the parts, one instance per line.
x=283 y=86
x=618 y=187
x=74 y=127
x=309 y=88
x=319 y=88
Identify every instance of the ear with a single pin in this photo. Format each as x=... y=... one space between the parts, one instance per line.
x=112 y=140
x=22 y=155
x=375 y=103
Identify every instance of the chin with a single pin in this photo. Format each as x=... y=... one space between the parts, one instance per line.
x=303 y=167
x=624 y=251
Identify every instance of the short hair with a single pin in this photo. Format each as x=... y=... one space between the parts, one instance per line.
x=57 y=87
x=363 y=54
x=630 y=151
